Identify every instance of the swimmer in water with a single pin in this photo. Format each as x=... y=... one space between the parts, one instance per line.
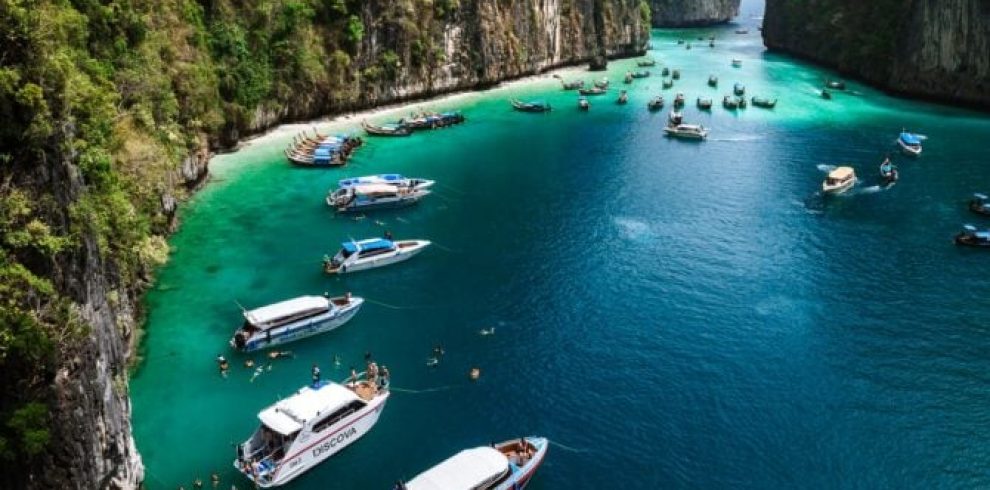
x=336 y=361
x=249 y=363
x=432 y=362
x=223 y=365
x=487 y=331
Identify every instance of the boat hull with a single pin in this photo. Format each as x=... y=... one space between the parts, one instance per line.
x=321 y=447
x=400 y=254
x=838 y=189
x=909 y=150
x=522 y=476
x=968 y=240
x=303 y=329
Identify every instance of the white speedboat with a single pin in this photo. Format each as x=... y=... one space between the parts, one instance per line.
x=910 y=143
x=396 y=180
x=302 y=431
x=293 y=319
x=687 y=131
x=839 y=180
x=365 y=197
x=506 y=466
x=371 y=253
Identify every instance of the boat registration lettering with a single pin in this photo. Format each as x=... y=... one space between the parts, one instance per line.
x=334 y=441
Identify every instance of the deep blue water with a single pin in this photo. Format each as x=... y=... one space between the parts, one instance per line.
x=669 y=314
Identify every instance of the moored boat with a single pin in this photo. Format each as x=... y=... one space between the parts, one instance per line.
x=674 y=118
x=646 y=62
x=712 y=81
x=360 y=255
x=839 y=180
x=910 y=143
x=391 y=129
x=531 y=106
x=628 y=78
x=736 y=63
x=593 y=91
x=742 y=31
x=374 y=196
x=432 y=120
x=730 y=102
x=623 y=98
x=391 y=179
x=321 y=150
x=888 y=172
x=293 y=319
x=835 y=84
x=980 y=204
x=764 y=102
x=574 y=85
x=826 y=94
x=711 y=44
x=301 y=431
x=603 y=83
x=704 y=103
x=687 y=131
x=678 y=100
x=739 y=89
x=741 y=101
x=508 y=465
x=675 y=74
x=668 y=84
x=970 y=237
x=655 y=104
x=641 y=74
x=665 y=72
x=583 y=103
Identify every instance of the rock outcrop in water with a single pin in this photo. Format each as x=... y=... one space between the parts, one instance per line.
x=688 y=13
x=937 y=49
x=109 y=112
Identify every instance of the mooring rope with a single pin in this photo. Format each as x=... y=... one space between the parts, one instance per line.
x=394 y=307
x=427 y=390
x=566 y=447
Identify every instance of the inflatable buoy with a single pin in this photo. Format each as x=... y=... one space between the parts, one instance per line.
x=474 y=374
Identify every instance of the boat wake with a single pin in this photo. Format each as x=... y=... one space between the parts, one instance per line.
x=738 y=138
x=873 y=189
x=633 y=229
x=825 y=168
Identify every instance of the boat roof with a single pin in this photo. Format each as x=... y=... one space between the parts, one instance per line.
x=289 y=415
x=980 y=195
x=910 y=138
x=369 y=244
x=371 y=179
x=281 y=309
x=462 y=471
x=842 y=173
x=373 y=188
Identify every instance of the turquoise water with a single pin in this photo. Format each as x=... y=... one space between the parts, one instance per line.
x=669 y=314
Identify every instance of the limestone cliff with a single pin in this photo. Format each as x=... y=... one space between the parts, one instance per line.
x=688 y=13
x=109 y=112
x=937 y=49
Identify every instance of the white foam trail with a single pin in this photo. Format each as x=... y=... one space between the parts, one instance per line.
x=633 y=229
x=738 y=138
x=869 y=190
x=825 y=167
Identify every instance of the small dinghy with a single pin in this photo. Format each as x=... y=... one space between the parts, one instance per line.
x=299 y=432
x=655 y=104
x=392 y=129
x=704 y=103
x=372 y=253
x=910 y=143
x=712 y=81
x=628 y=78
x=739 y=89
x=367 y=197
x=679 y=101
x=826 y=94
x=646 y=62
x=508 y=465
x=736 y=63
x=623 y=98
x=432 y=120
x=711 y=44
x=764 y=102
x=742 y=31
x=602 y=84
x=839 y=180
x=970 y=237
x=293 y=319
x=675 y=118
x=576 y=84
x=888 y=173
x=668 y=84
x=641 y=74
x=687 y=131
x=389 y=179
x=583 y=104
x=675 y=74
x=593 y=91
x=835 y=84
x=729 y=102
x=980 y=204
x=665 y=72
x=533 y=106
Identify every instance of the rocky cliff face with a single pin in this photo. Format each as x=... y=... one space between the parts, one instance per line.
x=110 y=110
x=937 y=49
x=687 y=13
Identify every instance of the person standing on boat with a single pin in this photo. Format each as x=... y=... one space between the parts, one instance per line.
x=386 y=376
x=388 y=235
x=316 y=376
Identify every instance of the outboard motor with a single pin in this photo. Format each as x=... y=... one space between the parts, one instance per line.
x=240 y=339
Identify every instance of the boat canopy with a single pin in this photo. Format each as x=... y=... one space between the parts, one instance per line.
x=289 y=415
x=295 y=306
x=841 y=173
x=374 y=189
x=969 y=228
x=373 y=244
x=465 y=470
x=980 y=196
x=910 y=138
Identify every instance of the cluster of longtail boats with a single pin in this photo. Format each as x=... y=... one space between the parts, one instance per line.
x=420 y=121
x=321 y=150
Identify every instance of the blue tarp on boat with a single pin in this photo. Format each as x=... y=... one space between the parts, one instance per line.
x=381 y=243
x=910 y=139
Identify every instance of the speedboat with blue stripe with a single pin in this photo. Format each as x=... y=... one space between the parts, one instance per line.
x=396 y=180
x=293 y=319
x=910 y=143
x=367 y=197
x=368 y=254
x=508 y=465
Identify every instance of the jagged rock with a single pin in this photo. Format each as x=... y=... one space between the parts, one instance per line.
x=687 y=13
